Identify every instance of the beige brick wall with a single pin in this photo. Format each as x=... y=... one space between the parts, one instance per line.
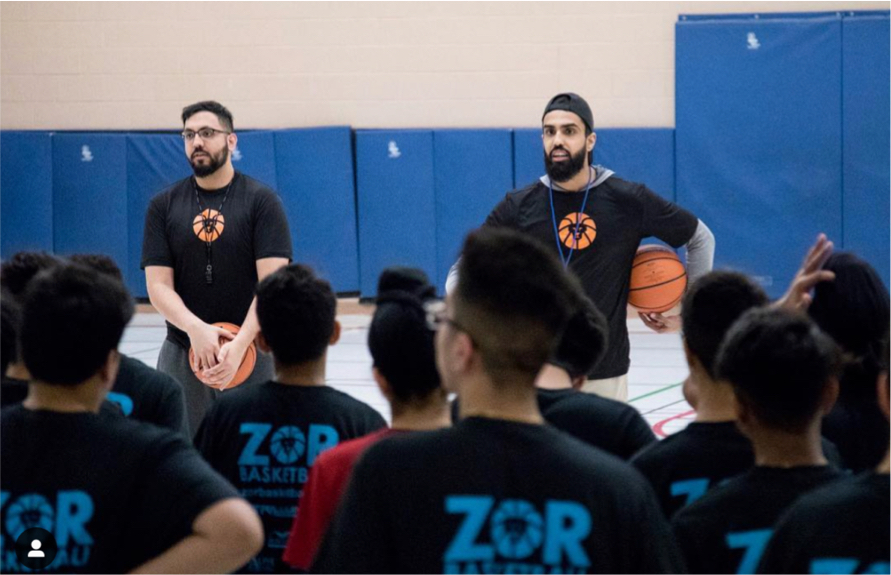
x=134 y=65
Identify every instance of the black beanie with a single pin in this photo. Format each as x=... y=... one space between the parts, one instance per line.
x=571 y=103
x=399 y=340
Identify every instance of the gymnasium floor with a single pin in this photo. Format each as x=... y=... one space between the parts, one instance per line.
x=657 y=364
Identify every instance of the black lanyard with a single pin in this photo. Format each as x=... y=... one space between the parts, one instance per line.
x=209 y=225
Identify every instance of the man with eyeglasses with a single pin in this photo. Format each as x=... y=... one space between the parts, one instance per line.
x=208 y=240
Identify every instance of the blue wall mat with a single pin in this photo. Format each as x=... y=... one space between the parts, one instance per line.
x=255 y=156
x=758 y=137
x=528 y=156
x=316 y=183
x=90 y=195
x=396 y=202
x=643 y=155
x=473 y=171
x=26 y=200
x=154 y=162
x=866 y=147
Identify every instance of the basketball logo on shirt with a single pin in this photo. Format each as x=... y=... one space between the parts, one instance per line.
x=209 y=225
x=577 y=230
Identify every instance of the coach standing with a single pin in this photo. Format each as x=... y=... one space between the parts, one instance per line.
x=209 y=239
x=595 y=222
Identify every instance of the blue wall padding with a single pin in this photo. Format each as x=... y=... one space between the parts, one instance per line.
x=255 y=156
x=26 y=200
x=528 y=156
x=396 y=202
x=90 y=195
x=866 y=98
x=758 y=138
x=473 y=171
x=316 y=184
x=644 y=155
x=154 y=162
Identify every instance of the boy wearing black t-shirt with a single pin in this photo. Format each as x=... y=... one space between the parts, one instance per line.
x=500 y=491
x=783 y=371
x=602 y=422
x=685 y=465
x=840 y=528
x=142 y=392
x=116 y=494
x=264 y=438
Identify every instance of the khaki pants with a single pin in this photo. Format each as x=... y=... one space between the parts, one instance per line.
x=613 y=387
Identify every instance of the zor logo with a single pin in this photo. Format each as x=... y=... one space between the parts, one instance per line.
x=85 y=154
x=29 y=511
x=288 y=444
x=577 y=230
x=517 y=529
x=209 y=225
x=752 y=40
x=393 y=150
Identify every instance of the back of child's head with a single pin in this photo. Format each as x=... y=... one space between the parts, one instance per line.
x=9 y=329
x=399 y=339
x=513 y=297
x=853 y=309
x=296 y=310
x=779 y=364
x=72 y=317
x=99 y=262
x=17 y=271
x=584 y=340
x=710 y=307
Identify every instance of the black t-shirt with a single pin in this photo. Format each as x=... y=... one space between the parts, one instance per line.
x=605 y=423
x=623 y=214
x=114 y=492
x=265 y=438
x=252 y=226
x=840 y=528
x=492 y=496
x=148 y=395
x=683 y=466
x=859 y=429
x=727 y=530
x=14 y=391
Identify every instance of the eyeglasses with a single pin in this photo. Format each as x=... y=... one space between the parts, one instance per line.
x=436 y=316
x=205 y=133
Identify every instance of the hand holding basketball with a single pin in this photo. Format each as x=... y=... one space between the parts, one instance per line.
x=235 y=363
x=205 y=345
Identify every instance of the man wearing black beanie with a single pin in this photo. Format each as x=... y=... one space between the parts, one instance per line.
x=595 y=222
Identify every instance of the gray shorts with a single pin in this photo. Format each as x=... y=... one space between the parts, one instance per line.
x=174 y=361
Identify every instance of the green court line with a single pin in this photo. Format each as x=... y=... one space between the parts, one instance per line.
x=660 y=390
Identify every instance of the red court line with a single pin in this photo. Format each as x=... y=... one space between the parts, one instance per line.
x=657 y=428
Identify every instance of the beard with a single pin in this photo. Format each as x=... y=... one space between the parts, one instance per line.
x=215 y=162
x=565 y=171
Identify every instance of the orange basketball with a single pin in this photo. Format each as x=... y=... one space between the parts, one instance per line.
x=205 y=228
x=247 y=363
x=577 y=233
x=658 y=279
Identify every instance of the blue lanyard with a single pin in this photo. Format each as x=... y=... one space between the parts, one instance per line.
x=581 y=214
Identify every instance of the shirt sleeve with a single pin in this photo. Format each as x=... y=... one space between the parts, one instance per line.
x=660 y=552
x=272 y=235
x=177 y=485
x=357 y=542
x=155 y=247
x=503 y=215
x=637 y=433
x=664 y=219
x=173 y=409
x=317 y=505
